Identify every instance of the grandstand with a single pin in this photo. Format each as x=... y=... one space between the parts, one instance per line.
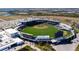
x=37 y=31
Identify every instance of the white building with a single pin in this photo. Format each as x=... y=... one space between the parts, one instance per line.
x=12 y=32
x=7 y=41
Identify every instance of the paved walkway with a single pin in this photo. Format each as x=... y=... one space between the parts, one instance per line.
x=26 y=44
x=68 y=47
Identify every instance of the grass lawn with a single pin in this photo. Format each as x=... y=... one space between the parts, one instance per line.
x=77 y=49
x=27 y=48
x=66 y=33
x=45 y=46
x=51 y=30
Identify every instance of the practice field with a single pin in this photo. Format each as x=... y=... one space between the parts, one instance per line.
x=44 y=29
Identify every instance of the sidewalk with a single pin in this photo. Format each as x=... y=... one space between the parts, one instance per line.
x=67 y=47
x=26 y=44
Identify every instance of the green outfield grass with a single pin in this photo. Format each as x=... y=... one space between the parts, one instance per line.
x=50 y=30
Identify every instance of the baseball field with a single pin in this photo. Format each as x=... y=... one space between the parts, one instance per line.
x=42 y=29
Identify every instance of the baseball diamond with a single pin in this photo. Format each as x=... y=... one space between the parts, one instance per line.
x=37 y=29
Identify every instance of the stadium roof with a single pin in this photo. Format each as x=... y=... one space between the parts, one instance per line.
x=64 y=26
x=42 y=37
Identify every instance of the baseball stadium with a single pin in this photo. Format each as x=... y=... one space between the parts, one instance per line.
x=45 y=30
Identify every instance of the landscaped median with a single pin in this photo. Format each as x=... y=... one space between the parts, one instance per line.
x=77 y=49
x=27 y=48
x=45 y=47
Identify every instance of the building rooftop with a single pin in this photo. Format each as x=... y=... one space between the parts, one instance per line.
x=6 y=41
x=10 y=31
